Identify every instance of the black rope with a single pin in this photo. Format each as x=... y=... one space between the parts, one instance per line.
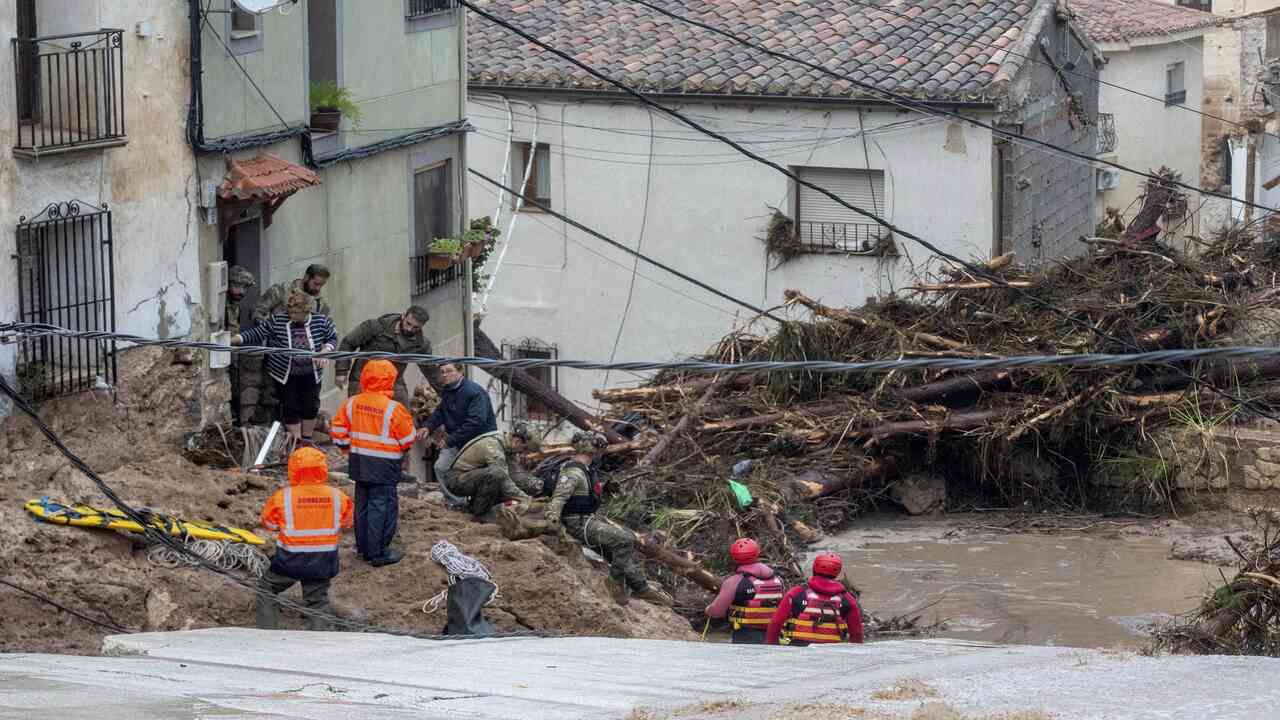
x=50 y=601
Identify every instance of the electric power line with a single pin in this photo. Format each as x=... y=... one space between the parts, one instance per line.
x=894 y=98
x=50 y=601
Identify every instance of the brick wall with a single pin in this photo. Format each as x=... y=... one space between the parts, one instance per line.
x=1048 y=199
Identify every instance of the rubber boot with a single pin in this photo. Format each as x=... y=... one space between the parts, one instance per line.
x=652 y=594
x=268 y=613
x=618 y=589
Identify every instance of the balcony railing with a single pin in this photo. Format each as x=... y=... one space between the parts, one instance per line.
x=421 y=8
x=424 y=278
x=841 y=237
x=70 y=92
x=1106 y=133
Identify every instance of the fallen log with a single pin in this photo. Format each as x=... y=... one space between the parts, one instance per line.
x=533 y=458
x=1155 y=202
x=1220 y=374
x=795 y=297
x=522 y=381
x=824 y=484
x=964 y=386
x=995 y=264
x=682 y=561
x=971 y=420
x=769 y=418
x=667 y=392
x=976 y=285
x=691 y=415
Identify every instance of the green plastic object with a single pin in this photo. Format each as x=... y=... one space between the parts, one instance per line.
x=741 y=494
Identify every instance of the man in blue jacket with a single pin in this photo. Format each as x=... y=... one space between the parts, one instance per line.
x=465 y=413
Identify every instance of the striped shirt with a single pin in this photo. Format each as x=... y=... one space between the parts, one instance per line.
x=274 y=332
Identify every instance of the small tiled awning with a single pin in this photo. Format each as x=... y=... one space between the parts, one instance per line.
x=265 y=177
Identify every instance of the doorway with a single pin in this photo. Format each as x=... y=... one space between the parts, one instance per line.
x=243 y=246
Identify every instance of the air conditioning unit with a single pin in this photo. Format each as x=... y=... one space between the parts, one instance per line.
x=215 y=292
x=1108 y=179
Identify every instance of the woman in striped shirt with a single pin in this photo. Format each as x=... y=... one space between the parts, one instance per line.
x=297 y=379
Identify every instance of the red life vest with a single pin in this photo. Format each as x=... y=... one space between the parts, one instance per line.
x=817 y=618
x=754 y=601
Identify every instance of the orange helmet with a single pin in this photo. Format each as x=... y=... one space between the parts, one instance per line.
x=744 y=551
x=828 y=565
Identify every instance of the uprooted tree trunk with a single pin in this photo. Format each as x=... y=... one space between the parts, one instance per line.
x=681 y=562
x=669 y=392
x=522 y=381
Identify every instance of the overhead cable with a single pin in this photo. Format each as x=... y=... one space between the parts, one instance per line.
x=901 y=100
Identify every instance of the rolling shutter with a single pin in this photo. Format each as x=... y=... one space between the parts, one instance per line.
x=861 y=188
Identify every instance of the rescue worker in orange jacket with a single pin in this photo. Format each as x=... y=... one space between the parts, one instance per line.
x=375 y=432
x=819 y=611
x=307 y=516
x=749 y=596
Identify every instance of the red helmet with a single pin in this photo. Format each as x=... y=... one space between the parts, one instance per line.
x=828 y=565
x=744 y=551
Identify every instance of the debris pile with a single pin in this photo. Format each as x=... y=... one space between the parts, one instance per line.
x=1242 y=615
x=825 y=447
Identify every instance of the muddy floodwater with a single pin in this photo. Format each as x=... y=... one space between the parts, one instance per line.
x=1067 y=589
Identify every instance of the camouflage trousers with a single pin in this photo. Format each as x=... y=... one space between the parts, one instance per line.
x=255 y=391
x=480 y=473
x=614 y=543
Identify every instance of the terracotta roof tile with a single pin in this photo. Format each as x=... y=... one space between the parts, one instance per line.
x=1118 y=20
x=264 y=177
x=942 y=49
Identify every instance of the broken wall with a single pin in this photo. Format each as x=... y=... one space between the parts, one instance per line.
x=145 y=183
x=1047 y=199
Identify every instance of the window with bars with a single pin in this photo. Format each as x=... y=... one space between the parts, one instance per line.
x=824 y=225
x=539 y=185
x=524 y=406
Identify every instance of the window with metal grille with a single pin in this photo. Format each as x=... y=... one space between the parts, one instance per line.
x=539 y=185
x=523 y=406
x=66 y=277
x=824 y=225
x=418 y=9
x=432 y=200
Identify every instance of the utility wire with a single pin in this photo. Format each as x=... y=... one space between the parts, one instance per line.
x=974 y=40
x=50 y=601
x=1238 y=353
x=895 y=98
x=574 y=223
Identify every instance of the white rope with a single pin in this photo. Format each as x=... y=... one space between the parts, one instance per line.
x=224 y=555
x=458 y=566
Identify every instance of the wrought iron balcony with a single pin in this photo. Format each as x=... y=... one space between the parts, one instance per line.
x=70 y=92
x=1106 y=133
x=840 y=237
x=421 y=8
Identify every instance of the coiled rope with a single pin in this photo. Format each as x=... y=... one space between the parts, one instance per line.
x=224 y=555
x=458 y=566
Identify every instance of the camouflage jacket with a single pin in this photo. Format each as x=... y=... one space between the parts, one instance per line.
x=231 y=317
x=274 y=298
x=379 y=335
x=572 y=481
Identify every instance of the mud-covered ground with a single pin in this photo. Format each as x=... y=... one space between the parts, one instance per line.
x=135 y=443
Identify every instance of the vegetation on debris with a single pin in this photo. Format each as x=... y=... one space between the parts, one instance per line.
x=1241 y=616
x=827 y=447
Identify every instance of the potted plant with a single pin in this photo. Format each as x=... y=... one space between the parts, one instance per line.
x=329 y=104
x=443 y=252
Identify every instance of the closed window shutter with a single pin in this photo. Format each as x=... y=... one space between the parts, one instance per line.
x=824 y=221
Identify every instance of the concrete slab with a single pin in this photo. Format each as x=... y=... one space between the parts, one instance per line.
x=234 y=672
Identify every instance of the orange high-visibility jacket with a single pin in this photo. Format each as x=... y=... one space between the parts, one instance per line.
x=308 y=517
x=374 y=429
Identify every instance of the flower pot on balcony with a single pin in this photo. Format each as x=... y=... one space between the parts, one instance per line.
x=439 y=262
x=325 y=120
x=471 y=251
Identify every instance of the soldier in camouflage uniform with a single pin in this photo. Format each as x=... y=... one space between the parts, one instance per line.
x=272 y=300
x=481 y=474
x=395 y=333
x=571 y=511
x=242 y=396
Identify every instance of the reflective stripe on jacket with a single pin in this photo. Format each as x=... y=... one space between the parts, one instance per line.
x=308 y=520
x=755 y=601
x=376 y=431
x=817 y=618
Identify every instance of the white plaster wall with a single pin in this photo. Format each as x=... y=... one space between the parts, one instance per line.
x=1149 y=135
x=703 y=209
x=157 y=274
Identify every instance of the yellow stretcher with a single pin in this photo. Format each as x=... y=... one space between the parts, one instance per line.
x=87 y=516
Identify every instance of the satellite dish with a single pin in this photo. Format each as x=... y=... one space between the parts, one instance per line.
x=258 y=7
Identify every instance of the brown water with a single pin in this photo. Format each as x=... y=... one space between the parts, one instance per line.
x=1073 y=590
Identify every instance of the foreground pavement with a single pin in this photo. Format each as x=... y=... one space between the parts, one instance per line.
x=241 y=673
